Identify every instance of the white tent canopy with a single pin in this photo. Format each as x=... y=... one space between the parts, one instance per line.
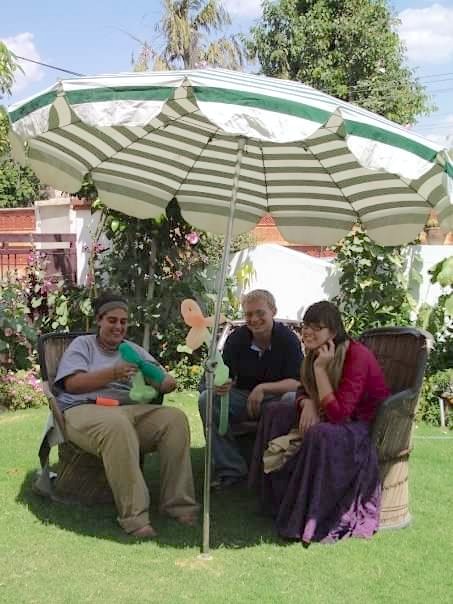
x=296 y=279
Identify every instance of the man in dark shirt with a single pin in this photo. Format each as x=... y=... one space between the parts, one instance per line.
x=264 y=359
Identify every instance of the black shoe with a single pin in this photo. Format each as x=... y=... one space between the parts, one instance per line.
x=227 y=482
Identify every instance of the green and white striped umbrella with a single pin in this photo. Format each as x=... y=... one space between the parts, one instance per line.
x=234 y=146
x=316 y=163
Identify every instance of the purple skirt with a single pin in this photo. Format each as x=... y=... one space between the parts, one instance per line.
x=329 y=490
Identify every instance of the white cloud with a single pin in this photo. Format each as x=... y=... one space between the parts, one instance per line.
x=243 y=8
x=428 y=33
x=23 y=45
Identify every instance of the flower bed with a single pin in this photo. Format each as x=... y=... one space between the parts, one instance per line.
x=20 y=390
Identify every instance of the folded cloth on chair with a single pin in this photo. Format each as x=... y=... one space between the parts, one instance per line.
x=280 y=449
x=52 y=436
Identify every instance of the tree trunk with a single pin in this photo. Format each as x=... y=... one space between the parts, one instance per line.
x=150 y=290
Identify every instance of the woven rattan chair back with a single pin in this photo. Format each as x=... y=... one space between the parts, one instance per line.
x=402 y=353
x=51 y=347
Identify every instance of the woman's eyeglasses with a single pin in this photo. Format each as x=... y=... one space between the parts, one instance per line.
x=313 y=326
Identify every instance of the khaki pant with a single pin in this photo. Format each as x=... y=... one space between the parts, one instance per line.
x=118 y=435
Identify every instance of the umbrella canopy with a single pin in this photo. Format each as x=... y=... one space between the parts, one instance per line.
x=316 y=163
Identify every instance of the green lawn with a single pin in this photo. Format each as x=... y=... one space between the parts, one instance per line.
x=52 y=553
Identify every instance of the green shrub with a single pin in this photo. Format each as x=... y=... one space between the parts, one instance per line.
x=373 y=288
x=17 y=333
x=186 y=374
x=21 y=390
x=433 y=386
x=33 y=304
x=51 y=305
x=438 y=319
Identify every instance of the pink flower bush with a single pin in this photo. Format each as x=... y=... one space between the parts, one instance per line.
x=193 y=238
x=20 y=390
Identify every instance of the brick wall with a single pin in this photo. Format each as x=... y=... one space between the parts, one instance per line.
x=17 y=220
x=266 y=231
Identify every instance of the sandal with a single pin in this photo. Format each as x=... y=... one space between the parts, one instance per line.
x=187 y=519
x=145 y=532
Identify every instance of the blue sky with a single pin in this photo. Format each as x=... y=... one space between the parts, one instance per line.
x=91 y=37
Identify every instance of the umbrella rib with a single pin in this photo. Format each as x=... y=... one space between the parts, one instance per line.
x=265 y=174
x=184 y=180
x=418 y=193
x=340 y=189
x=327 y=172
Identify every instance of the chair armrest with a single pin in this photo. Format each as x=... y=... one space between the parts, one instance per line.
x=54 y=408
x=392 y=427
x=394 y=403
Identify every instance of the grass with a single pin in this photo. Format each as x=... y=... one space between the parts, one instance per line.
x=59 y=554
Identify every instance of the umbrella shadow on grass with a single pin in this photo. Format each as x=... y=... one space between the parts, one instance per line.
x=234 y=520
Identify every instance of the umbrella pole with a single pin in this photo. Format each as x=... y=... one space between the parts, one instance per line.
x=211 y=362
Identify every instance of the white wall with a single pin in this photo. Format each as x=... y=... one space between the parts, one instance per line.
x=52 y=215
x=83 y=224
x=57 y=216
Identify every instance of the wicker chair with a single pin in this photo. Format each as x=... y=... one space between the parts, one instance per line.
x=80 y=476
x=402 y=353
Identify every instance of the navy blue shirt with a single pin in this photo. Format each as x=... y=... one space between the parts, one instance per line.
x=252 y=367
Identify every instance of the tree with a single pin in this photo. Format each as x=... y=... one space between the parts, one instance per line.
x=8 y=67
x=4 y=126
x=347 y=48
x=158 y=261
x=185 y=27
x=19 y=186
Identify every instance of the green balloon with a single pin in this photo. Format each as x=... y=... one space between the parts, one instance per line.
x=141 y=392
x=149 y=370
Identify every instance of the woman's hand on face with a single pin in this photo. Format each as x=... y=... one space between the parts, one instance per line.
x=309 y=415
x=324 y=354
x=124 y=371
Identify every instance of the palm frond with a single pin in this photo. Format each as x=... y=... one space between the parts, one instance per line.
x=184 y=26
x=224 y=53
x=212 y=16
